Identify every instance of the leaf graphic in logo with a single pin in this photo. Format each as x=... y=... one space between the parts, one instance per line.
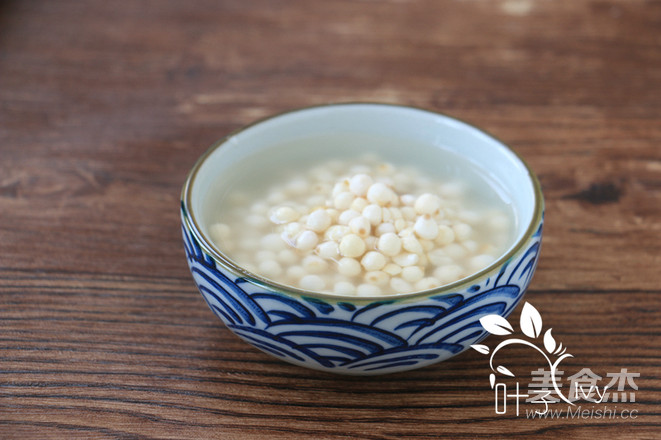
x=480 y=348
x=496 y=325
x=531 y=321
x=505 y=371
x=492 y=379
x=549 y=342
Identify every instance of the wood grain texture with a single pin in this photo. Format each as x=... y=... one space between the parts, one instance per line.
x=104 y=107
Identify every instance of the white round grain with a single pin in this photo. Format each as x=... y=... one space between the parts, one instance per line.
x=344 y=288
x=336 y=232
x=318 y=220
x=257 y=221
x=405 y=260
x=373 y=213
x=340 y=187
x=454 y=250
x=386 y=215
x=272 y=242
x=380 y=194
x=408 y=199
x=427 y=245
x=334 y=214
x=328 y=250
x=462 y=231
x=445 y=235
x=400 y=286
x=384 y=228
x=390 y=244
x=426 y=227
x=306 y=241
x=411 y=244
x=427 y=204
x=343 y=200
x=373 y=260
x=284 y=214
x=270 y=268
x=408 y=213
x=312 y=282
x=400 y=225
x=352 y=246
x=448 y=274
x=427 y=283
x=359 y=204
x=392 y=269
x=287 y=257
x=377 y=277
x=471 y=246
x=295 y=273
x=370 y=242
x=314 y=264
x=349 y=267
x=412 y=274
x=347 y=215
x=479 y=262
x=359 y=184
x=438 y=257
x=360 y=226
x=366 y=289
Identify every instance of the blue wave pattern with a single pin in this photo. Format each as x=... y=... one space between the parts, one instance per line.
x=343 y=337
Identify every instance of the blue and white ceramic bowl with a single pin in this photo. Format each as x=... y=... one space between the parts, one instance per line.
x=351 y=335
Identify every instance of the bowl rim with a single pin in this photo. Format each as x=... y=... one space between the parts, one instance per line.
x=207 y=245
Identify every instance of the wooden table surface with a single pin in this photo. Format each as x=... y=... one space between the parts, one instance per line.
x=105 y=106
